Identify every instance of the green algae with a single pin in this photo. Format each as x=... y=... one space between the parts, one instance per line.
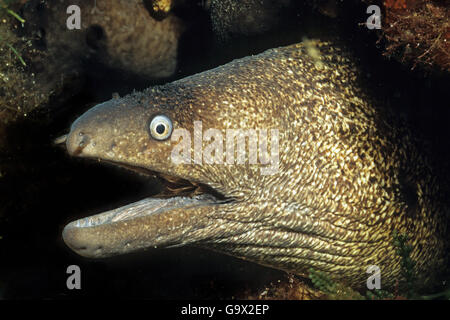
x=333 y=290
x=4 y=5
x=337 y=291
x=404 y=249
x=20 y=92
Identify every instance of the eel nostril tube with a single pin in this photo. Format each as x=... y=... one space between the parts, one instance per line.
x=60 y=140
x=76 y=142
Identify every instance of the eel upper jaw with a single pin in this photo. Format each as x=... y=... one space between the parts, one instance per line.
x=176 y=218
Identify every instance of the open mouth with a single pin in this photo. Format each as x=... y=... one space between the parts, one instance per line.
x=155 y=221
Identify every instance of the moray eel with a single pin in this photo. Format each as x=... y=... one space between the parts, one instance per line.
x=335 y=175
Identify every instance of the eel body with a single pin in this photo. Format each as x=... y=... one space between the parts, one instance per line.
x=338 y=177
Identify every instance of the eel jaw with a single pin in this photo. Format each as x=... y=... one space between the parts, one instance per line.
x=172 y=220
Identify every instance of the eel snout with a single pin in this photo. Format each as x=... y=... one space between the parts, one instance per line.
x=87 y=134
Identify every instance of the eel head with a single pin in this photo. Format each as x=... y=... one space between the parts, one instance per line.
x=157 y=133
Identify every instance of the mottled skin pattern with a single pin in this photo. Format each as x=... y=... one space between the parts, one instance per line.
x=348 y=176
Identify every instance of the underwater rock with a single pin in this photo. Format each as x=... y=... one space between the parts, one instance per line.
x=120 y=34
x=22 y=88
x=160 y=9
x=43 y=63
x=418 y=32
x=289 y=287
x=248 y=17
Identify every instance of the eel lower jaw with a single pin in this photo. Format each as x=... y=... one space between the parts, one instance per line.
x=177 y=218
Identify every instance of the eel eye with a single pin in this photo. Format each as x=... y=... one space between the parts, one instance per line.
x=160 y=127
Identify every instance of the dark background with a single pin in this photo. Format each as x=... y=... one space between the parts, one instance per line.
x=45 y=188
